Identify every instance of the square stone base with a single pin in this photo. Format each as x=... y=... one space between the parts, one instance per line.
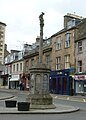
x=40 y=101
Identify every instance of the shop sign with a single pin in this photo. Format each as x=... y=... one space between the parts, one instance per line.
x=80 y=77
x=59 y=73
x=15 y=76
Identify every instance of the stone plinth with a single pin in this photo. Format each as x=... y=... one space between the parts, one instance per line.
x=39 y=97
x=41 y=101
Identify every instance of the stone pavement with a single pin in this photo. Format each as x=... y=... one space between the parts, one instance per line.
x=58 y=110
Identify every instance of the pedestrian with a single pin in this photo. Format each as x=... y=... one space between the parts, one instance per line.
x=21 y=86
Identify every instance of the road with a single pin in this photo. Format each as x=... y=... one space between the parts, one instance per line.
x=79 y=115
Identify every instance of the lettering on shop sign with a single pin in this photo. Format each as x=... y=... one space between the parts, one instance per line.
x=59 y=73
x=80 y=77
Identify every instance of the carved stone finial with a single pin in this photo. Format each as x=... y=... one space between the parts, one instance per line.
x=41 y=19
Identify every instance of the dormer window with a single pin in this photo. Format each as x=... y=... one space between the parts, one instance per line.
x=71 y=23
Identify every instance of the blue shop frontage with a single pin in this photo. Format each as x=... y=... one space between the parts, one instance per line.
x=61 y=82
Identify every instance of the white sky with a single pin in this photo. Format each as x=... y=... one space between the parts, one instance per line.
x=22 y=18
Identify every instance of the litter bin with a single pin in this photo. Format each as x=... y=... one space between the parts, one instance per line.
x=23 y=106
x=10 y=103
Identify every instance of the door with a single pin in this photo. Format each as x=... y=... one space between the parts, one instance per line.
x=54 y=85
x=59 y=85
x=64 y=85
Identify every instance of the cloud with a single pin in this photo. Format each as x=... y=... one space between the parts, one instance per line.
x=22 y=17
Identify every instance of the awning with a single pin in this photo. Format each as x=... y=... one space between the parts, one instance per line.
x=14 y=79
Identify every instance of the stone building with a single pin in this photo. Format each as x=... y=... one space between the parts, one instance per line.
x=81 y=47
x=32 y=58
x=12 y=69
x=60 y=53
x=80 y=53
x=63 y=56
x=6 y=52
x=59 y=49
x=2 y=43
x=17 y=71
x=63 y=44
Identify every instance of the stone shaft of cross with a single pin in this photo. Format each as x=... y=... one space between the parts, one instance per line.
x=41 y=37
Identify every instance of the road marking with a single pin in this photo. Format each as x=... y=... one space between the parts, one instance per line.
x=68 y=98
x=84 y=100
x=56 y=96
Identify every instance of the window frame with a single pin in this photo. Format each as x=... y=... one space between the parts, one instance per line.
x=58 y=43
x=67 y=40
x=21 y=67
x=80 y=46
x=79 y=66
x=14 y=68
x=67 y=61
x=58 y=63
x=26 y=65
x=32 y=62
x=17 y=67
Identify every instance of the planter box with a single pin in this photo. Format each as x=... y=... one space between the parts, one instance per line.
x=10 y=103
x=23 y=106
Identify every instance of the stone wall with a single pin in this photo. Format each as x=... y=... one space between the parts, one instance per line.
x=81 y=29
x=63 y=51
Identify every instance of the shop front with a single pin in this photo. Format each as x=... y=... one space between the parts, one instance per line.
x=60 y=82
x=14 y=82
x=80 y=83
